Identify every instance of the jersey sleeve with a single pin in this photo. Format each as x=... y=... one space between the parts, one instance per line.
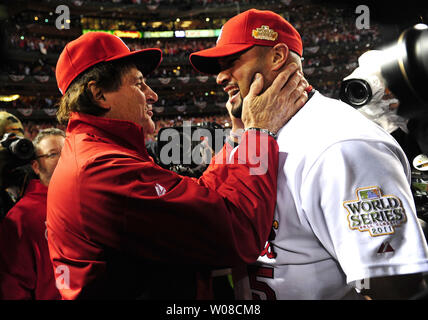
x=357 y=199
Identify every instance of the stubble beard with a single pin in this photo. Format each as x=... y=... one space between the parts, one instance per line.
x=237 y=109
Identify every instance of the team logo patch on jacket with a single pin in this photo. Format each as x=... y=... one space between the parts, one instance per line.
x=160 y=190
x=373 y=212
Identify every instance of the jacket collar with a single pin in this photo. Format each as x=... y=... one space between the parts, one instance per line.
x=36 y=187
x=124 y=133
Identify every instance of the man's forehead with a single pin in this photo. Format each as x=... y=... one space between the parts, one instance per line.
x=50 y=143
x=236 y=55
x=52 y=139
x=139 y=74
x=134 y=73
x=231 y=57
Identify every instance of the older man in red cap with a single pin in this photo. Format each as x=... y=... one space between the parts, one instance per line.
x=345 y=217
x=120 y=226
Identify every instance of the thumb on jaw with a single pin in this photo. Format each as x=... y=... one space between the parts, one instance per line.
x=257 y=85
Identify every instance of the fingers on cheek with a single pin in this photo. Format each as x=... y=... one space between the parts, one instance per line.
x=293 y=82
x=294 y=96
x=291 y=69
x=305 y=83
x=302 y=99
x=297 y=79
x=296 y=93
x=285 y=79
x=299 y=94
x=300 y=89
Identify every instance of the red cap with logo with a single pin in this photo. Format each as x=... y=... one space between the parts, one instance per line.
x=252 y=27
x=95 y=47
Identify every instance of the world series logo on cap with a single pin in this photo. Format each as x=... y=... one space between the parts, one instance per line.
x=265 y=33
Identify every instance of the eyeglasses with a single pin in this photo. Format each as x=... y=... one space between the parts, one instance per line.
x=49 y=155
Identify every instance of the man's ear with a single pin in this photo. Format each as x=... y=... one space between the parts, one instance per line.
x=36 y=167
x=98 y=95
x=279 y=56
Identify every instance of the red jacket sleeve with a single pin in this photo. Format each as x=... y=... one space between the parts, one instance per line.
x=120 y=202
x=246 y=178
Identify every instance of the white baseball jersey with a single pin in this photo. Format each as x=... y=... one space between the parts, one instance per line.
x=345 y=211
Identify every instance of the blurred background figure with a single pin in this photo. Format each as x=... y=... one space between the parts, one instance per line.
x=25 y=269
x=16 y=153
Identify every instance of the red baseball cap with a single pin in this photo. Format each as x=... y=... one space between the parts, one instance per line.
x=252 y=27
x=95 y=47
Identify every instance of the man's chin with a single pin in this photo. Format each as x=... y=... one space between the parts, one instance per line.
x=237 y=111
x=149 y=127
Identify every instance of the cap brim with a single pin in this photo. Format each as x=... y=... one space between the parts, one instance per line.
x=146 y=60
x=206 y=61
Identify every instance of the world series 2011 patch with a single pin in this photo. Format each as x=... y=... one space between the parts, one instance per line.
x=373 y=212
x=265 y=33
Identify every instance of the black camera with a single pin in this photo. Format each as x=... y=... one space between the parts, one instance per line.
x=401 y=67
x=18 y=147
x=188 y=149
x=356 y=92
x=16 y=154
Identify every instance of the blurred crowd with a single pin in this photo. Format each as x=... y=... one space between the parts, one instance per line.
x=30 y=102
x=32 y=128
x=332 y=45
x=172 y=2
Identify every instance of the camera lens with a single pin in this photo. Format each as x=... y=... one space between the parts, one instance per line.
x=22 y=148
x=356 y=92
x=406 y=71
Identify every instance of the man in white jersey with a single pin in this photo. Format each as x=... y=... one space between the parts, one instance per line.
x=345 y=218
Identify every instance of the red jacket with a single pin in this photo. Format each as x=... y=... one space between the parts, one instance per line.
x=123 y=227
x=25 y=268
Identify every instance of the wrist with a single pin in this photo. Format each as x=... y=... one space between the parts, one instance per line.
x=272 y=134
x=232 y=142
x=235 y=134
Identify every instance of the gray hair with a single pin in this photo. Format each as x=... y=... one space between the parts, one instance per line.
x=45 y=133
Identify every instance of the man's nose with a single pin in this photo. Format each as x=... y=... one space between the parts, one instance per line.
x=151 y=96
x=223 y=77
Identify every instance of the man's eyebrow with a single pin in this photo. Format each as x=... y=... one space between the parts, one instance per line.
x=236 y=56
x=226 y=62
x=233 y=57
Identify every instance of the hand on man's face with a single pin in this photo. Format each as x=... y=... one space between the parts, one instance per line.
x=273 y=108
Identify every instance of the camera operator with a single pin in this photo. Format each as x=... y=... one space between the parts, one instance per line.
x=367 y=91
x=388 y=87
x=16 y=152
x=26 y=271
